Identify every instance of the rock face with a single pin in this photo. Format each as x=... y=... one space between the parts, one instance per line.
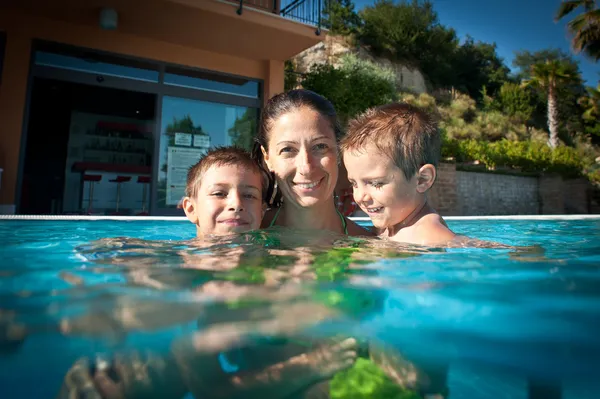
x=333 y=48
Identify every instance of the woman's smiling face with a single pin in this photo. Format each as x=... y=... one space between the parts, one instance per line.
x=303 y=154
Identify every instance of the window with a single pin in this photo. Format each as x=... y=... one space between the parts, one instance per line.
x=188 y=129
x=91 y=64
x=211 y=82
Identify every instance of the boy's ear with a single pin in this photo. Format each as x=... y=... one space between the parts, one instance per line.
x=266 y=157
x=189 y=207
x=425 y=178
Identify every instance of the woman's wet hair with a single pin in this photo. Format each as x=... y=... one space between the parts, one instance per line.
x=275 y=108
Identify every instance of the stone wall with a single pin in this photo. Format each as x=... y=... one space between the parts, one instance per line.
x=333 y=48
x=495 y=194
x=461 y=193
x=443 y=195
x=551 y=195
x=577 y=196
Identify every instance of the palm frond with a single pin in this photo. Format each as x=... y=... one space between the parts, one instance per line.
x=578 y=23
x=594 y=92
x=588 y=40
x=566 y=7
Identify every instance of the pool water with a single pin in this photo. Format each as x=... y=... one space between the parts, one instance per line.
x=496 y=316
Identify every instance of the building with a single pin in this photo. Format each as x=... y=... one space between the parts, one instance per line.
x=113 y=100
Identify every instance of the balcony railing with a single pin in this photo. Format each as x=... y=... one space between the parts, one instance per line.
x=306 y=11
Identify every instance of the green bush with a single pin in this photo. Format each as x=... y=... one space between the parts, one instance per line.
x=526 y=156
x=353 y=87
x=514 y=101
x=594 y=177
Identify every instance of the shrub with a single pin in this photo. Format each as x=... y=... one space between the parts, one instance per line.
x=514 y=101
x=353 y=87
x=527 y=156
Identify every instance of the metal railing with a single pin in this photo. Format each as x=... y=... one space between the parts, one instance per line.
x=306 y=11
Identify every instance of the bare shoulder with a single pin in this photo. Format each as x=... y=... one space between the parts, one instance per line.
x=354 y=229
x=432 y=229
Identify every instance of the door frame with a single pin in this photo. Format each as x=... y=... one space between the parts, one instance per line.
x=158 y=88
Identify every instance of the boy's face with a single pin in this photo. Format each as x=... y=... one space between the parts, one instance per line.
x=380 y=188
x=229 y=200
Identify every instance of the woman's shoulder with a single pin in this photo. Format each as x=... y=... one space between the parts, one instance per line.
x=354 y=229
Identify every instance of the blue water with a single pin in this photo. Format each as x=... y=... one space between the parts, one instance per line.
x=497 y=316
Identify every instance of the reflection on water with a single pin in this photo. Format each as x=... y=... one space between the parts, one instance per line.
x=148 y=315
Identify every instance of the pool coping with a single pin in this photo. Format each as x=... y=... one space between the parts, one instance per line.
x=356 y=219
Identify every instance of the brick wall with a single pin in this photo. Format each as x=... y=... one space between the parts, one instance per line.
x=551 y=195
x=496 y=194
x=577 y=196
x=442 y=196
x=470 y=193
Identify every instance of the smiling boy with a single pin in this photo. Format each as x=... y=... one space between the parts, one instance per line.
x=391 y=153
x=224 y=193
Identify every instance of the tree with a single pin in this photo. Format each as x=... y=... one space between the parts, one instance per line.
x=514 y=101
x=524 y=59
x=243 y=131
x=340 y=18
x=410 y=32
x=567 y=94
x=183 y=125
x=585 y=27
x=353 y=87
x=550 y=76
x=591 y=103
x=476 y=65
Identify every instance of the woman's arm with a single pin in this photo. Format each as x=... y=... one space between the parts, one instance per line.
x=206 y=379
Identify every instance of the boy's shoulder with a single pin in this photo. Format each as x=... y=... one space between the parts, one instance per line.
x=432 y=229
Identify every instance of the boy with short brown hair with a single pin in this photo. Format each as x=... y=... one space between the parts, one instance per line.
x=224 y=192
x=391 y=153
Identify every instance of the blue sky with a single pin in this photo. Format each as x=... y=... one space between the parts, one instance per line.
x=511 y=24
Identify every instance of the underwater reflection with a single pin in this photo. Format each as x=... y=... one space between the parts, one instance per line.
x=276 y=304
x=272 y=310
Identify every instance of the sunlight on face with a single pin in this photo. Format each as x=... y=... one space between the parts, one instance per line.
x=379 y=187
x=229 y=200
x=303 y=155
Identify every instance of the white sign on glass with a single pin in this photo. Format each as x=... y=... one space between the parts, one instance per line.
x=201 y=140
x=179 y=161
x=184 y=139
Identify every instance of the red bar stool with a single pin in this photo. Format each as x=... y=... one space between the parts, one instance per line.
x=119 y=180
x=91 y=179
x=145 y=180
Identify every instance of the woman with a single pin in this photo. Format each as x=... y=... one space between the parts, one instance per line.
x=298 y=144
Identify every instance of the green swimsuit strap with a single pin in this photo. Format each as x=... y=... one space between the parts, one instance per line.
x=343 y=221
x=274 y=218
x=344 y=226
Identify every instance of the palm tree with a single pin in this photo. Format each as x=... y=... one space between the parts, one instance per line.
x=585 y=27
x=550 y=76
x=591 y=104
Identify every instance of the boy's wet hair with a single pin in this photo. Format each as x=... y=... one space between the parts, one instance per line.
x=404 y=132
x=282 y=104
x=221 y=156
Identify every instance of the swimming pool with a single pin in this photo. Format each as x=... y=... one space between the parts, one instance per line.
x=496 y=315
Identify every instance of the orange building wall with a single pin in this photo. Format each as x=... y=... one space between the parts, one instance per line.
x=21 y=29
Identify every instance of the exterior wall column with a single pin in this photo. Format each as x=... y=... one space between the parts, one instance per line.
x=13 y=95
x=274 y=80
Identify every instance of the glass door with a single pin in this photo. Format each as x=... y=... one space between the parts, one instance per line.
x=189 y=128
